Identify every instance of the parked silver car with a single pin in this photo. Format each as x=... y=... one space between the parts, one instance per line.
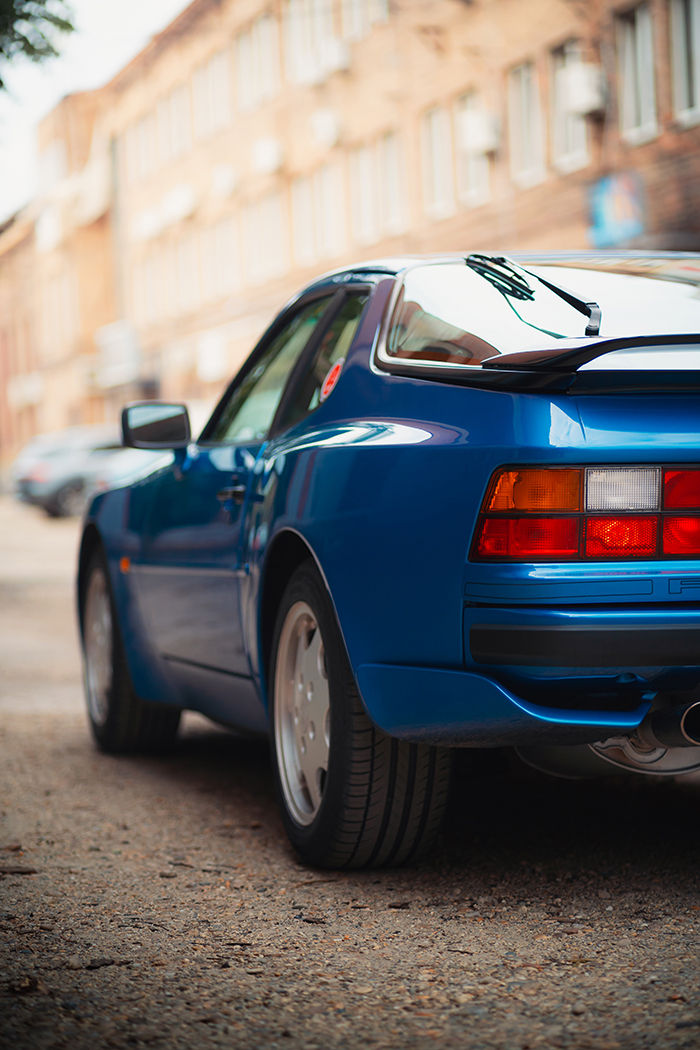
x=55 y=471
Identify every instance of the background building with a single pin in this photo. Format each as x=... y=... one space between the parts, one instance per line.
x=252 y=144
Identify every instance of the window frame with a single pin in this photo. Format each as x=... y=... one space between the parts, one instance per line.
x=636 y=73
x=566 y=127
x=685 y=60
x=527 y=132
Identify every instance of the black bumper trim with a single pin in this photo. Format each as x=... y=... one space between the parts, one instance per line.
x=642 y=646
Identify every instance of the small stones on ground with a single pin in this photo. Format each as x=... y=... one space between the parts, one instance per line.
x=28 y=984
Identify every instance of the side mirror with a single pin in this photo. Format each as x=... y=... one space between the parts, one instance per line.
x=155 y=424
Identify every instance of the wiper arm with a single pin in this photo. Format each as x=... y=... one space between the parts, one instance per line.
x=500 y=272
x=501 y=268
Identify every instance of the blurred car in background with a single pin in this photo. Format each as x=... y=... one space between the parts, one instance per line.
x=56 y=471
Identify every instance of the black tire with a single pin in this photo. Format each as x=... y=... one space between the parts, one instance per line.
x=120 y=721
x=379 y=801
x=69 y=502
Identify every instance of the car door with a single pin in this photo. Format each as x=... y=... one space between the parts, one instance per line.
x=193 y=548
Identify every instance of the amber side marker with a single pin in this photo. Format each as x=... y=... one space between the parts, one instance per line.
x=124 y=564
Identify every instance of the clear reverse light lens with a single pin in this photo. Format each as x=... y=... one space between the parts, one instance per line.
x=610 y=488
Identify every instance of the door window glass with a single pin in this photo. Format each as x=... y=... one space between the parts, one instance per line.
x=247 y=415
x=334 y=347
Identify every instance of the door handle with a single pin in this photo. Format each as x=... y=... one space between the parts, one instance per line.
x=236 y=494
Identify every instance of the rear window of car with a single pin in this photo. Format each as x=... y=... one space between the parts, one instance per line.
x=454 y=313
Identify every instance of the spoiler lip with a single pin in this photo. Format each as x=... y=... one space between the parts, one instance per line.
x=556 y=370
x=570 y=354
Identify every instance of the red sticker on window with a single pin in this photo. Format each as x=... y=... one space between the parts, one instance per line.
x=331 y=379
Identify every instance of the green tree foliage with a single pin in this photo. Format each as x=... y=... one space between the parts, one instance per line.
x=30 y=28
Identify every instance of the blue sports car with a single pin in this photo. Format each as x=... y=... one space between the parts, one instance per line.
x=447 y=502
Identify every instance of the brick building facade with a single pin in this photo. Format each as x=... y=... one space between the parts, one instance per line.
x=252 y=144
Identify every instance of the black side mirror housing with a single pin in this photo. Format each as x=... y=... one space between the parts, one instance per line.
x=156 y=424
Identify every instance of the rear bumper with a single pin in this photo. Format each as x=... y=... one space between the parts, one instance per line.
x=464 y=708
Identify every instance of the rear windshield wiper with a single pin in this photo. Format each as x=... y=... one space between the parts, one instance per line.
x=505 y=275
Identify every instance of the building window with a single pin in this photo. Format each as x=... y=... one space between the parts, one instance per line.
x=377 y=189
x=635 y=44
x=685 y=57
x=211 y=90
x=318 y=209
x=174 y=120
x=303 y=233
x=392 y=188
x=525 y=123
x=359 y=16
x=329 y=192
x=438 y=164
x=266 y=249
x=473 y=126
x=311 y=42
x=187 y=270
x=219 y=256
x=363 y=185
x=141 y=151
x=569 y=131
x=257 y=63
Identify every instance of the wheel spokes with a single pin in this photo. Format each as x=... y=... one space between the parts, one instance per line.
x=303 y=706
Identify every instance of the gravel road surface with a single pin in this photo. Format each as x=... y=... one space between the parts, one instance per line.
x=155 y=902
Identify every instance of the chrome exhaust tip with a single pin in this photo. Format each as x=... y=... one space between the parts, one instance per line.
x=673 y=727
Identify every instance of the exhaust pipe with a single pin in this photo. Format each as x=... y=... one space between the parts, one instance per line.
x=673 y=727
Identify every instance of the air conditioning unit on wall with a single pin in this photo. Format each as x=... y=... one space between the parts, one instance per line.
x=480 y=131
x=584 y=89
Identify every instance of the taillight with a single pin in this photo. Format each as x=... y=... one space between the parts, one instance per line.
x=589 y=513
x=621 y=537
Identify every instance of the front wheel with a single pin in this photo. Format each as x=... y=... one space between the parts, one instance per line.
x=351 y=796
x=119 y=719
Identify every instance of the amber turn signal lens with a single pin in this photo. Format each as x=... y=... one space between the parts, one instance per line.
x=535 y=490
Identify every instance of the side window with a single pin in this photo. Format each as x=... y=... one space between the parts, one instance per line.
x=247 y=415
x=334 y=347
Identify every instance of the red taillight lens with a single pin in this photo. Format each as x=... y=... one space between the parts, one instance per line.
x=681 y=488
x=681 y=535
x=623 y=536
x=528 y=537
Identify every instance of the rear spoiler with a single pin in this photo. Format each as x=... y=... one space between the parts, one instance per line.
x=556 y=369
x=564 y=362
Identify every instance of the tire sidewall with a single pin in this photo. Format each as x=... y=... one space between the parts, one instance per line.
x=314 y=841
x=107 y=731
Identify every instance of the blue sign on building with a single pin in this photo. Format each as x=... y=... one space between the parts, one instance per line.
x=617 y=208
